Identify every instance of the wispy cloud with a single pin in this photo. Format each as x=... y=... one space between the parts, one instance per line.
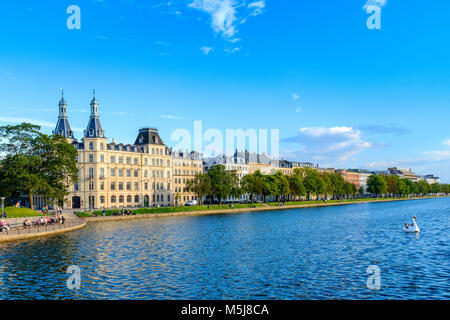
x=295 y=96
x=446 y=142
x=226 y=14
x=298 y=109
x=256 y=8
x=328 y=144
x=232 y=50
x=377 y=3
x=206 y=50
x=171 y=117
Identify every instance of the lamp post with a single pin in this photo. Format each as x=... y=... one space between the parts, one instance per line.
x=3 y=204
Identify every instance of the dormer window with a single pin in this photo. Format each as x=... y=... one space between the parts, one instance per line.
x=91 y=132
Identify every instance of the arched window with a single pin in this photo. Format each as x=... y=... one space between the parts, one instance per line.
x=129 y=199
x=120 y=199
x=113 y=199
x=136 y=198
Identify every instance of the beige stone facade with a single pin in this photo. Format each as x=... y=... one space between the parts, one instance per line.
x=185 y=166
x=116 y=175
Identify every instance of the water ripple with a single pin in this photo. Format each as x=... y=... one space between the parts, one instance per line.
x=317 y=253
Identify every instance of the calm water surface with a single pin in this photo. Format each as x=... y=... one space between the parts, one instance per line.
x=317 y=253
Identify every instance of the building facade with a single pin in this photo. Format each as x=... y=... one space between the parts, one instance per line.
x=185 y=166
x=114 y=175
x=350 y=176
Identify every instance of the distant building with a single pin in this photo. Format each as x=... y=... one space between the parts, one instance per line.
x=185 y=166
x=235 y=162
x=429 y=178
x=363 y=177
x=403 y=173
x=350 y=176
x=259 y=162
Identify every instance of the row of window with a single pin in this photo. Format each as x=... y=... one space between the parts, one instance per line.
x=120 y=186
x=178 y=180
x=112 y=172
x=155 y=161
x=185 y=164
x=185 y=172
x=121 y=199
x=159 y=151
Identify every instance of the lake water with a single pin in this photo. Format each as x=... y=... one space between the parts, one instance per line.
x=315 y=253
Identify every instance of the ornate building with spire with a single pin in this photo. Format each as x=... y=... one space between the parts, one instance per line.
x=116 y=175
x=62 y=126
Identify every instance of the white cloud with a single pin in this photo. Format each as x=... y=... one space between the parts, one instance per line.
x=226 y=14
x=257 y=7
x=206 y=50
x=295 y=96
x=232 y=50
x=171 y=117
x=328 y=144
x=298 y=109
x=377 y=3
x=446 y=142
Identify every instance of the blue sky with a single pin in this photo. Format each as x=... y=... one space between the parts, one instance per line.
x=342 y=95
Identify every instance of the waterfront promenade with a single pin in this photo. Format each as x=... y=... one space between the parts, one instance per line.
x=21 y=233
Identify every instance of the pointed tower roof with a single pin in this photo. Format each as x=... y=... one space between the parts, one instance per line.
x=94 y=128
x=62 y=126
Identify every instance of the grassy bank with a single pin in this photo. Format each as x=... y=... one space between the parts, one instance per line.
x=13 y=212
x=173 y=209
x=259 y=206
x=297 y=203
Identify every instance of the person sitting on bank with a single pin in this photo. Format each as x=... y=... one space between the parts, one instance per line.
x=27 y=223
x=406 y=226
x=4 y=225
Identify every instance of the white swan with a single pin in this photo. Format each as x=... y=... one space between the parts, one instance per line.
x=413 y=228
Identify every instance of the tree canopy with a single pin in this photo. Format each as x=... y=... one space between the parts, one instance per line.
x=35 y=163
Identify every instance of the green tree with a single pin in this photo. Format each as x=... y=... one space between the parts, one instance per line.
x=313 y=183
x=376 y=184
x=253 y=184
x=436 y=188
x=282 y=185
x=35 y=163
x=200 y=185
x=337 y=184
x=296 y=186
x=327 y=187
x=361 y=190
x=403 y=187
x=424 y=187
x=392 y=184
